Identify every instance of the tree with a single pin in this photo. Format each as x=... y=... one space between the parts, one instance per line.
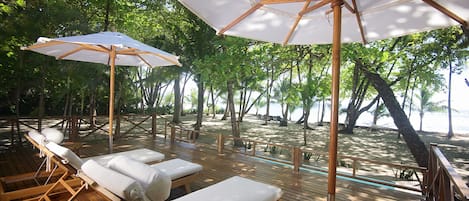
x=415 y=145
x=451 y=52
x=226 y=68
x=426 y=105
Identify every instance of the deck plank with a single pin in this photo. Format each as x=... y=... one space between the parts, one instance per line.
x=296 y=186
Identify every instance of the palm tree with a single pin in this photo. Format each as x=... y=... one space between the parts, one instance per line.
x=426 y=105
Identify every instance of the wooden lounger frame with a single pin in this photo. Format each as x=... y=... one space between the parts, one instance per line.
x=184 y=181
x=69 y=181
x=61 y=171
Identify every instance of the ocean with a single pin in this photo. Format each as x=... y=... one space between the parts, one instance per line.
x=432 y=122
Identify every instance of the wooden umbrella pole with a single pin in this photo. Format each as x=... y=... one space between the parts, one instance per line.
x=112 y=56
x=336 y=44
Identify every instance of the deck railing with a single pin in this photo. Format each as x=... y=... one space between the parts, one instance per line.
x=295 y=156
x=74 y=126
x=443 y=182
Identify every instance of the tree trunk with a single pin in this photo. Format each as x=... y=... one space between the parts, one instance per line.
x=412 y=97
x=41 y=99
x=269 y=87
x=200 y=106
x=65 y=116
x=106 y=19
x=177 y=101
x=415 y=145
x=142 y=91
x=213 y=102
x=359 y=90
x=234 y=123
x=284 y=120
x=376 y=113
x=242 y=99
x=450 y=118
x=323 y=112
x=17 y=111
x=227 y=110
x=93 y=108
x=300 y=120
x=305 y=126
x=421 y=120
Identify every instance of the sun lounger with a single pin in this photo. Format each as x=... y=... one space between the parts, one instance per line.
x=155 y=184
x=61 y=171
x=63 y=156
x=129 y=179
x=181 y=172
x=235 y=189
x=117 y=183
x=40 y=177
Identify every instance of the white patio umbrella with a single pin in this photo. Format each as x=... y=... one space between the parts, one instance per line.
x=110 y=48
x=322 y=22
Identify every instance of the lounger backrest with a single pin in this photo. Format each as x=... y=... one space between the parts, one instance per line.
x=53 y=135
x=37 y=137
x=119 y=184
x=157 y=184
x=66 y=154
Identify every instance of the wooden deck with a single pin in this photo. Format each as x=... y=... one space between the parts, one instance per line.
x=306 y=185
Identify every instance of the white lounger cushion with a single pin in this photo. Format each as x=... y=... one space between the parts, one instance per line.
x=53 y=135
x=37 y=137
x=235 y=189
x=177 y=168
x=157 y=184
x=142 y=155
x=119 y=184
x=66 y=154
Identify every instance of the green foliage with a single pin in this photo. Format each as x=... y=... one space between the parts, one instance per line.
x=307 y=156
x=169 y=26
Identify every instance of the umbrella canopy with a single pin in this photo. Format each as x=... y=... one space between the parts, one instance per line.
x=96 y=48
x=311 y=22
x=322 y=22
x=110 y=48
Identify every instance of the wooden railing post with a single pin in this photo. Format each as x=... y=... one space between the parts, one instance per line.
x=354 y=166
x=220 y=144
x=12 y=134
x=194 y=135
x=74 y=129
x=165 y=129
x=153 y=125
x=117 y=133
x=296 y=159
x=445 y=191
x=173 y=134
x=432 y=167
x=254 y=144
